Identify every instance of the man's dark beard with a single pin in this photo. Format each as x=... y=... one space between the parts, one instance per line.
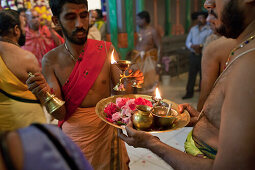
x=200 y=23
x=232 y=21
x=73 y=40
x=22 y=39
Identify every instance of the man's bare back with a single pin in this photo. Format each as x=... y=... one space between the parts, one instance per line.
x=214 y=58
x=60 y=63
x=18 y=61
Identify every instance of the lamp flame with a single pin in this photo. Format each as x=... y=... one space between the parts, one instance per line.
x=113 y=61
x=157 y=94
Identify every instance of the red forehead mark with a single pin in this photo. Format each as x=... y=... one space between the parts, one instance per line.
x=79 y=10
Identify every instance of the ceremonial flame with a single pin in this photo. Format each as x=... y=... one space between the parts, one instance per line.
x=112 y=58
x=157 y=94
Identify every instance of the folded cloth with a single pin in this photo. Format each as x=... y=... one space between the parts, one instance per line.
x=198 y=148
x=98 y=140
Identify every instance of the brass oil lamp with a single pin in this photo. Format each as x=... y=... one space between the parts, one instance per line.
x=123 y=65
x=164 y=115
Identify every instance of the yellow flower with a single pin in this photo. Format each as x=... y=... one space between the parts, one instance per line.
x=37 y=9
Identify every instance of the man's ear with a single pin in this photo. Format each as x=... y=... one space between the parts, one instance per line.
x=55 y=21
x=16 y=30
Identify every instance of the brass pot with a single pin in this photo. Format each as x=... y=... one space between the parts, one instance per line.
x=160 y=118
x=142 y=117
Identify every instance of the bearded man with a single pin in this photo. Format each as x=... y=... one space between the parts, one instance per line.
x=80 y=72
x=94 y=33
x=18 y=106
x=223 y=134
x=40 y=39
x=214 y=57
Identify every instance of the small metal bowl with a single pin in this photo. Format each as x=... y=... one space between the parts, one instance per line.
x=160 y=118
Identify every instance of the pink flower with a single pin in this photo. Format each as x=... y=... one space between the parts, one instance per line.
x=120 y=102
x=126 y=120
x=126 y=111
x=116 y=116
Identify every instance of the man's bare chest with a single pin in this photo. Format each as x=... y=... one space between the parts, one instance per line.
x=63 y=74
x=145 y=37
x=213 y=105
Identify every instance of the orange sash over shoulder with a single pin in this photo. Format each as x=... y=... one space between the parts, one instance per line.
x=84 y=74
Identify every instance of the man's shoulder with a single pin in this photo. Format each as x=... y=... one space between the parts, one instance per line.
x=151 y=28
x=94 y=28
x=216 y=46
x=28 y=53
x=207 y=27
x=247 y=58
x=53 y=54
x=195 y=27
x=241 y=77
x=17 y=50
x=19 y=54
x=25 y=53
x=244 y=63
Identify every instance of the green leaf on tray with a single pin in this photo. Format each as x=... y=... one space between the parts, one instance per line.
x=120 y=123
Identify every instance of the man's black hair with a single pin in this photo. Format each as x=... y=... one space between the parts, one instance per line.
x=56 y=5
x=144 y=15
x=194 y=16
x=22 y=10
x=8 y=20
x=205 y=14
x=99 y=14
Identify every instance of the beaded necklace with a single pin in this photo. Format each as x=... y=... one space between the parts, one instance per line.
x=238 y=47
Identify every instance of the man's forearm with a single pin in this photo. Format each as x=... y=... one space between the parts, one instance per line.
x=178 y=159
x=159 y=55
